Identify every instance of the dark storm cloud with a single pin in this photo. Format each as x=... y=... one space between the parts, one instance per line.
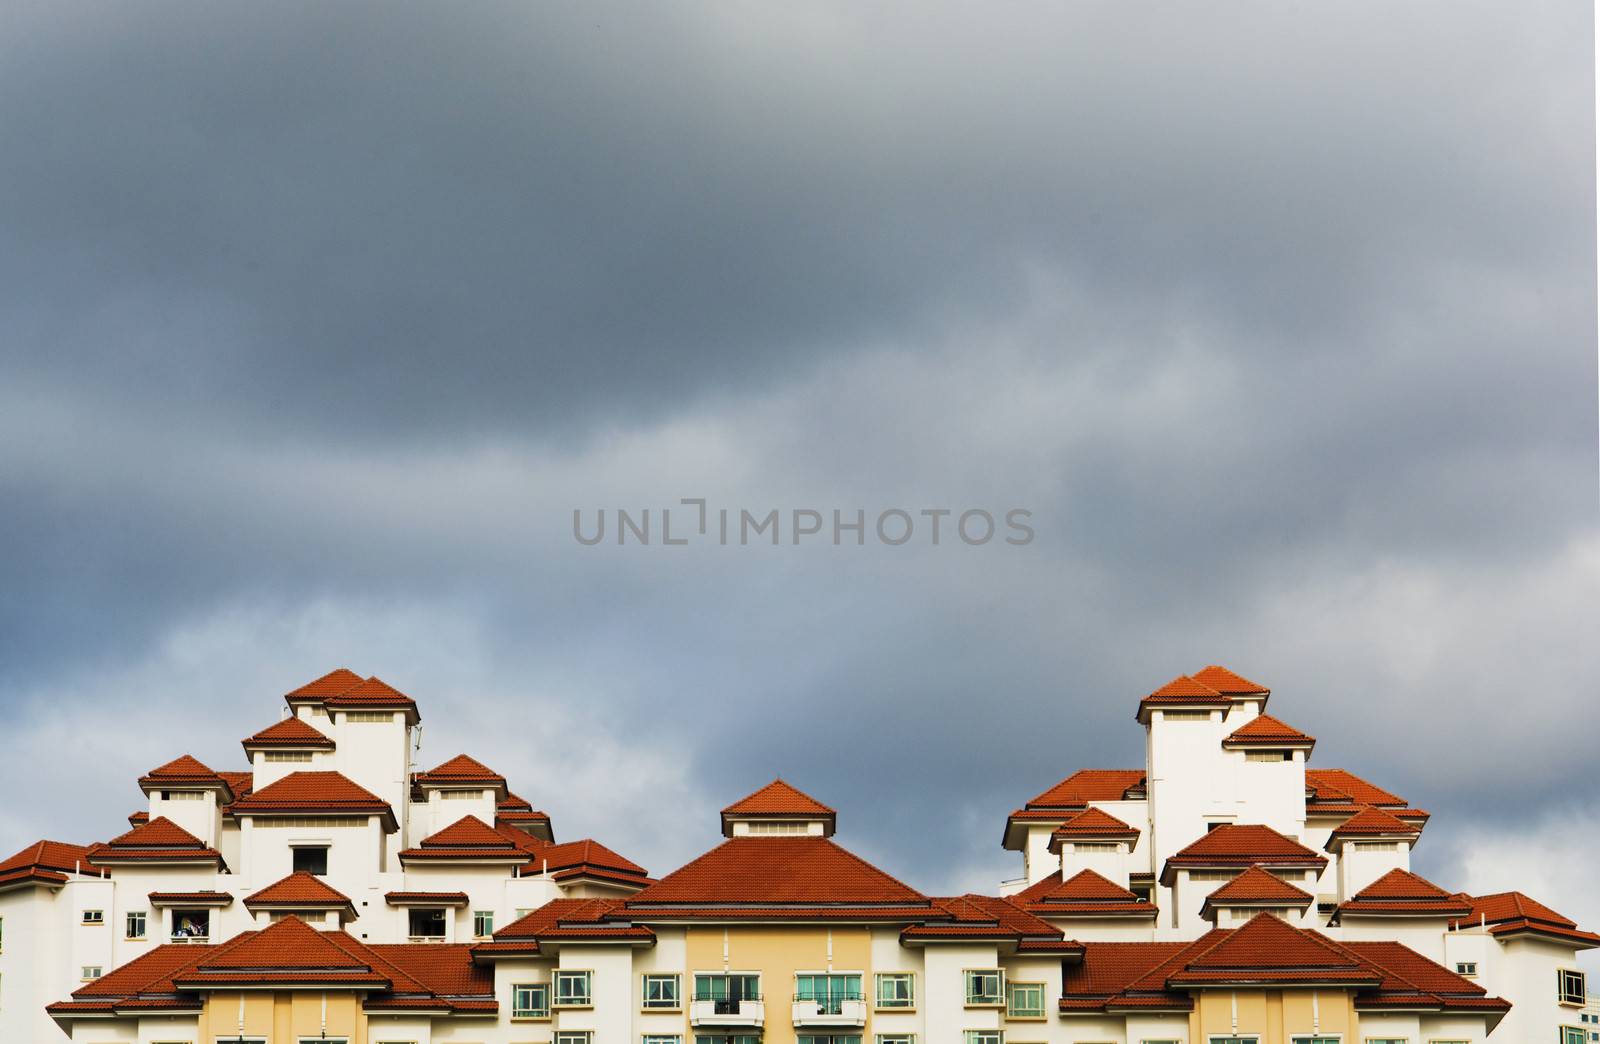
x=1279 y=318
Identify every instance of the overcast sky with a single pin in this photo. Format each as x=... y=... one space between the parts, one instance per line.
x=317 y=322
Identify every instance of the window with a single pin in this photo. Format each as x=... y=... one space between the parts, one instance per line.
x=574 y=989
x=483 y=923
x=311 y=860
x=1466 y=967
x=828 y=1038
x=779 y=827
x=1173 y=715
x=530 y=1000
x=1386 y=1040
x=182 y=795
x=1095 y=846
x=427 y=922
x=896 y=1038
x=94 y=917
x=1268 y=755
x=1377 y=846
x=574 y=1037
x=368 y=716
x=191 y=924
x=1315 y=1040
x=660 y=992
x=1571 y=1035
x=726 y=992
x=1024 y=1000
x=459 y=795
x=732 y=1038
x=662 y=1038
x=895 y=990
x=984 y=987
x=298 y=757
x=302 y=822
x=136 y=925
x=1569 y=986
x=91 y=971
x=1235 y=1040
x=828 y=992
x=983 y=1037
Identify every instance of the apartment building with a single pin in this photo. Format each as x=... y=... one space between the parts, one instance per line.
x=334 y=892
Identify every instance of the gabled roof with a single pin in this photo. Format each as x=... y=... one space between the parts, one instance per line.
x=1086 y=785
x=775 y=873
x=586 y=858
x=334 y=682
x=300 y=891
x=1085 y=894
x=1513 y=913
x=1372 y=822
x=316 y=793
x=778 y=800
x=183 y=771
x=1181 y=691
x=45 y=863
x=460 y=770
x=291 y=734
x=1256 y=887
x=1242 y=844
x=986 y=918
x=1228 y=683
x=468 y=838
x=373 y=693
x=1403 y=893
x=158 y=841
x=1093 y=824
x=1269 y=951
x=1264 y=730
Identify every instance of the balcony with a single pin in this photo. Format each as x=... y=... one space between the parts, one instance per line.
x=830 y=1011
x=726 y=1012
x=197 y=940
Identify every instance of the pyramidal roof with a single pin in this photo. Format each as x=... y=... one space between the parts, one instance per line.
x=1403 y=893
x=1085 y=894
x=1265 y=947
x=331 y=684
x=1228 y=683
x=1264 y=730
x=158 y=840
x=288 y=946
x=1092 y=823
x=1256 y=887
x=290 y=733
x=778 y=800
x=1373 y=822
x=300 y=890
x=778 y=872
x=373 y=691
x=461 y=769
x=185 y=770
x=1184 y=688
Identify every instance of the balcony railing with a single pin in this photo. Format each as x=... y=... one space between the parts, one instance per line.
x=726 y=1011
x=191 y=937
x=846 y=1008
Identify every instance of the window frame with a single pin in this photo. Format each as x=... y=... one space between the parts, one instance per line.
x=1562 y=996
x=556 y=977
x=479 y=918
x=98 y=920
x=980 y=1001
x=531 y=1014
x=908 y=977
x=983 y=1036
x=144 y=925
x=1012 y=1013
x=294 y=858
x=645 y=979
x=573 y=1037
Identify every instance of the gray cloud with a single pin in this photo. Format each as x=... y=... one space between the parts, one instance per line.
x=320 y=321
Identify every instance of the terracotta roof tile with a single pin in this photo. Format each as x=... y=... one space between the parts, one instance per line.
x=46 y=862
x=469 y=838
x=585 y=853
x=1256 y=887
x=1373 y=822
x=300 y=890
x=200 y=898
x=778 y=799
x=1264 y=730
x=322 y=792
x=1336 y=784
x=1184 y=689
x=1094 y=823
x=1228 y=683
x=185 y=770
x=158 y=840
x=1085 y=894
x=373 y=692
x=461 y=769
x=1086 y=785
x=778 y=871
x=1505 y=913
x=422 y=898
x=291 y=733
x=331 y=684
x=1244 y=843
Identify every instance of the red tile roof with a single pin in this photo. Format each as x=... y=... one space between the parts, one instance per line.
x=1085 y=894
x=334 y=682
x=1507 y=913
x=985 y=917
x=374 y=692
x=468 y=838
x=1184 y=689
x=1372 y=822
x=325 y=793
x=1228 y=683
x=1086 y=785
x=425 y=898
x=778 y=799
x=1093 y=824
x=292 y=733
x=580 y=855
x=179 y=772
x=241 y=783
x=1337 y=785
x=1241 y=844
x=1403 y=893
x=45 y=862
x=159 y=840
x=1269 y=950
x=1256 y=887
x=204 y=898
x=576 y=919
x=460 y=770
x=300 y=891
x=1264 y=730
x=777 y=872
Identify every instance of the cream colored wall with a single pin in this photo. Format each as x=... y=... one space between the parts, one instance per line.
x=778 y=953
x=1274 y=1015
x=284 y=1017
